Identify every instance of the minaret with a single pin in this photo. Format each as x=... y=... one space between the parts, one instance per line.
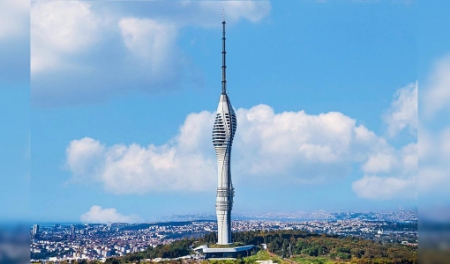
x=223 y=133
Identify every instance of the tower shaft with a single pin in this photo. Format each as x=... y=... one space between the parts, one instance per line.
x=223 y=134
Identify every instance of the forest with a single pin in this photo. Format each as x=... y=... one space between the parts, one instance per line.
x=293 y=245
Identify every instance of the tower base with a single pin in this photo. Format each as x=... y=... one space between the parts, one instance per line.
x=224 y=252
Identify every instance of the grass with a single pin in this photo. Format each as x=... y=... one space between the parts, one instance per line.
x=313 y=260
x=263 y=255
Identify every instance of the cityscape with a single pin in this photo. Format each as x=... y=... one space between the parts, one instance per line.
x=77 y=241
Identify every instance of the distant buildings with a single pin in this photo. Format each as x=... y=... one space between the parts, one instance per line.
x=96 y=242
x=72 y=232
x=35 y=231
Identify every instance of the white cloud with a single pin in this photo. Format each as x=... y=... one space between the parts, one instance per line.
x=85 y=158
x=209 y=13
x=434 y=149
x=436 y=95
x=14 y=20
x=379 y=162
x=434 y=146
x=59 y=30
x=294 y=143
x=388 y=174
x=235 y=10
x=403 y=111
x=97 y=214
x=388 y=159
x=150 y=41
x=289 y=147
x=384 y=188
x=96 y=51
x=136 y=169
x=434 y=134
x=409 y=158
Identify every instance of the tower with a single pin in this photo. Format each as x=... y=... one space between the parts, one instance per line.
x=222 y=137
x=72 y=232
x=35 y=231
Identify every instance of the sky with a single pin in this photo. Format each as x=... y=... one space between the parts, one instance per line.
x=122 y=97
x=14 y=110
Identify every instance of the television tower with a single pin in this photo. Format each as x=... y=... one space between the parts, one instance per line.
x=223 y=134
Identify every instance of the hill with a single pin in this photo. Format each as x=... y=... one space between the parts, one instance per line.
x=290 y=246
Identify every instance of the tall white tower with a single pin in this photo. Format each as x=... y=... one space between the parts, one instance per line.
x=223 y=134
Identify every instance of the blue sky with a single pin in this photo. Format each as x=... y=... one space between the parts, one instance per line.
x=14 y=110
x=122 y=101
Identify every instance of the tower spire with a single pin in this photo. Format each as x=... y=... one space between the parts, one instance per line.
x=224 y=67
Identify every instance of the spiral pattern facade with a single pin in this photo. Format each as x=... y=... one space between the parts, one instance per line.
x=223 y=134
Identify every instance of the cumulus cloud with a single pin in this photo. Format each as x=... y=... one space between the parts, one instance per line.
x=86 y=52
x=150 y=41
x=85 y=158
x=403 y=111
x=389 y=159
x=179 y=165
x=287 y=147
x=59 y=30
x=436 y=95
x=305 y=148
x=97 y=214
x=384 y=188
x=389 y=174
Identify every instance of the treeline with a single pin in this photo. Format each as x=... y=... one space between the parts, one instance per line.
x=342 y=248
x=292 y=244
x=259 y=237
x=176 y=249
x=298 y=243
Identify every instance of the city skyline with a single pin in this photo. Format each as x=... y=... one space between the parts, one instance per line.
x=337 y=121
x=97 y=241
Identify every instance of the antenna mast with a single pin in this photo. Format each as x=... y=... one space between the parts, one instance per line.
x=224 y=67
